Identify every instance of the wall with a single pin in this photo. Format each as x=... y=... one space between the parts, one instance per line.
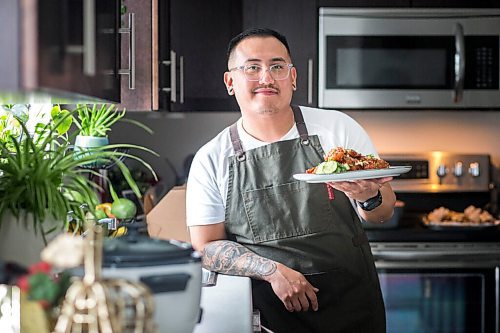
x=177 y=135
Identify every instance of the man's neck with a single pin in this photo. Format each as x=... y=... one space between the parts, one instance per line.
x=268 y=127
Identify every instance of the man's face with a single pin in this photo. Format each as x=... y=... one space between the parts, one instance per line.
x=267 y=95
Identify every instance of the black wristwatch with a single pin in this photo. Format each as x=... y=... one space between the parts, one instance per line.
x=371 y=203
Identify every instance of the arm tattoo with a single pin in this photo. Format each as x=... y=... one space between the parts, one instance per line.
x=231 y=258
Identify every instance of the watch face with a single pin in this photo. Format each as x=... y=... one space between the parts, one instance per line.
x=372 y=203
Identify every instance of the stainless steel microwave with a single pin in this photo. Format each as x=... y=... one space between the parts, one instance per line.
x=409 y=58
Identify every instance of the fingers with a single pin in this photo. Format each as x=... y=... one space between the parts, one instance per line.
x=360 y=189
x=303 y=297
x=313 y=299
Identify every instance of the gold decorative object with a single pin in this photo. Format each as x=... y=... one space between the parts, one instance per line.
x=94 y=305
x=86 y=307
x=137 y=304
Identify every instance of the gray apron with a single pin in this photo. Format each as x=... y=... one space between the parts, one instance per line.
x=296 y=223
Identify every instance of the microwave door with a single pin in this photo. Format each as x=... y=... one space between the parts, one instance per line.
x=385 y=70
x=408 y=58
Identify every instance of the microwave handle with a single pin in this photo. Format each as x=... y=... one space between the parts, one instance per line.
x=459 y=63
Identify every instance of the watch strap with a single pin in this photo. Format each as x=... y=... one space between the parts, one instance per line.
x=371 y=203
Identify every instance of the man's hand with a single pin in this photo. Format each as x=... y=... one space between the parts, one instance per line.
x=360 y=190
x=292 y=288
x=364 y=189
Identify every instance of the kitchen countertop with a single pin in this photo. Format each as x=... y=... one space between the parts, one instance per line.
x=412 y=230
x=227 y=306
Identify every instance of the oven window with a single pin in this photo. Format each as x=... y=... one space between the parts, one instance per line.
x=433 y=302
x=390 y=62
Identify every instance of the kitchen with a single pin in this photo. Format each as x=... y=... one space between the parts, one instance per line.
x=394 y=131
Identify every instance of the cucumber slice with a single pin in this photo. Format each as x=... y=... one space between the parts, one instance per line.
x=319 y=168
x=330 y=167
x=326 y=167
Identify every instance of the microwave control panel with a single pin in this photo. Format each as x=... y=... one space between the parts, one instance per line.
x=481 y=69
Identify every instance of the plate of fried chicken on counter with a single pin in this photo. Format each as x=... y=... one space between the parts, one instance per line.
x=472 y=217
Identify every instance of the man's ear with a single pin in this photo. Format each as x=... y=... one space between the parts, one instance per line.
x=228 y=81
x=293 y=73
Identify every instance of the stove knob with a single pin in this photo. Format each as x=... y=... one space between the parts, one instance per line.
x=441 y=170
x=459 y=169
x=474 y=169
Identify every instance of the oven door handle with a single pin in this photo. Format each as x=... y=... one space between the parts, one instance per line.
x=459 y=63
x=405 y=256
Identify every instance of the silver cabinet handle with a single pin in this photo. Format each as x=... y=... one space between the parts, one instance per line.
x=459 y=63
x=309 y=81
x=89 y=36
x=130 y=71
x=173 y=79
x=181 y=79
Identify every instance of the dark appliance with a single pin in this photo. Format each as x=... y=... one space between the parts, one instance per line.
x=443 y=58
x=444 y=279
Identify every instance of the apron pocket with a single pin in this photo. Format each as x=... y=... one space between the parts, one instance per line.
x=284 y=211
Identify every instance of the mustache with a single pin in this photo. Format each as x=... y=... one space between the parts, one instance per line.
x=267 y=86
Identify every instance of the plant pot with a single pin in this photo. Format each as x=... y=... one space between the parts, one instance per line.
x=87 y=143
x=19 y=243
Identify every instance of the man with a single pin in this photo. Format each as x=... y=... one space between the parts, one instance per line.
x=305 y=250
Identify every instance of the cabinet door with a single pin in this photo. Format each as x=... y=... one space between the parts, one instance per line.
x=139 y=59
x=77 y=47
x=297 y=21
x=193 y=38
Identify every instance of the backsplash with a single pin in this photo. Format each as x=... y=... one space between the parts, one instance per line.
x=178 y=135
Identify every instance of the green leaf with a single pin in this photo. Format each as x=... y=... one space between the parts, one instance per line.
x=62 y=119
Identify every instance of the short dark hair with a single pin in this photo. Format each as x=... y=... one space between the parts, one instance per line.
x=253 y=32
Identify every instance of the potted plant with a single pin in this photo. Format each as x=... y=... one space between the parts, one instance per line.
x=95 y=122
x=42 y=178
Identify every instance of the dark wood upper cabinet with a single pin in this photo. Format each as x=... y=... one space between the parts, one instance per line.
x=139 y=55
x=193 y=37
x=66 y=51
x=297 y=20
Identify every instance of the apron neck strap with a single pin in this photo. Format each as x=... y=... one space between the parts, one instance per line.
x=236 y=142
x=301 y=125
x=299 y=122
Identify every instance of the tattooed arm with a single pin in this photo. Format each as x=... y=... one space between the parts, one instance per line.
x=231 y=258
x=227 y=257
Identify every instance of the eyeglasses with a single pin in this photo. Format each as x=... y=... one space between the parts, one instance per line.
x=279 y=71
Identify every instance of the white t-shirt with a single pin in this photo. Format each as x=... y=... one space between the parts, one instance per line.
x=208 y=177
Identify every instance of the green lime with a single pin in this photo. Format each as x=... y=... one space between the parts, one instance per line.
x=123 y=208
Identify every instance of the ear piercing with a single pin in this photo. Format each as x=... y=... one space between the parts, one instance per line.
x=294 y=87
x=230 y=91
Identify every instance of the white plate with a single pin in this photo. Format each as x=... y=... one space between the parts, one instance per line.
x=392 y=171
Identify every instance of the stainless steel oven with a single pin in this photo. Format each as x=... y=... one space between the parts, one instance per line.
x=439 y=287
x=440 y=279
x=409 y=58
